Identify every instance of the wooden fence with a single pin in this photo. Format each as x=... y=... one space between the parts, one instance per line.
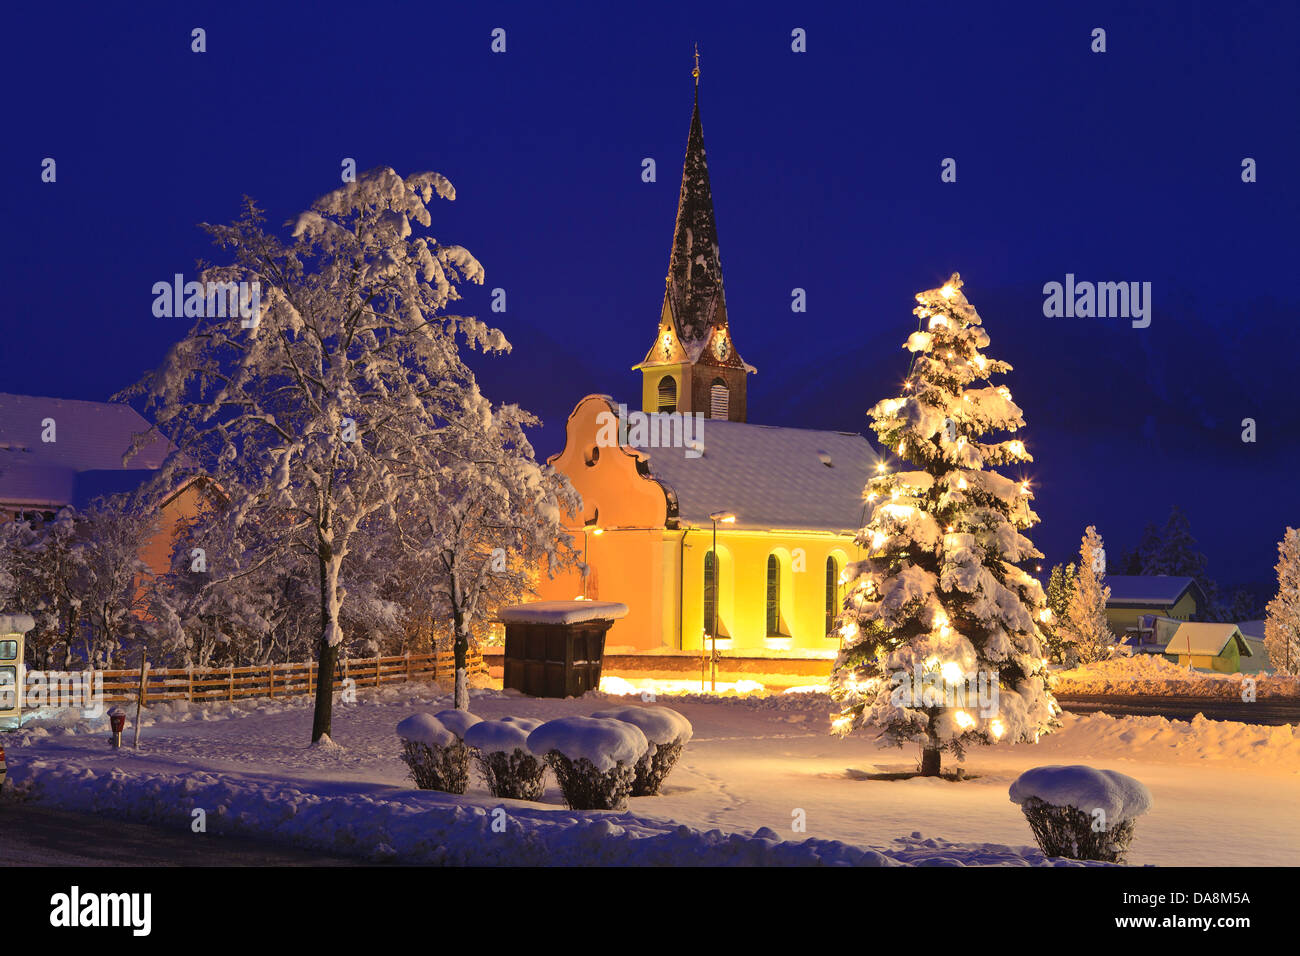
x=260 y=680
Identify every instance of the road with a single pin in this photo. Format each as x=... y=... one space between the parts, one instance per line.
x=32 y=835
x=1272 y=711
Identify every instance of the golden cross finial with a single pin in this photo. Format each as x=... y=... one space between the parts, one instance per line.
x=696 y=72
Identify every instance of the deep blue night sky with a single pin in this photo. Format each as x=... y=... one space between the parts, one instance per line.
x=825 y=167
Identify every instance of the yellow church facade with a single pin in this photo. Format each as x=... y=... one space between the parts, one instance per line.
x=788 y=501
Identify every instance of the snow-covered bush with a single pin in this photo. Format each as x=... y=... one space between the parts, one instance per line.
x=1080 y=812
x=438 y=759
x=457 y=721
x=501 y=752
x=667 y=733
x=594 y=759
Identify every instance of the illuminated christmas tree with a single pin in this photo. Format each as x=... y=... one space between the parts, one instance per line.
x=940 y=623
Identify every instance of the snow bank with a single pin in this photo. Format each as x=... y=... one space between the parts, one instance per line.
x=498 y=736
x=605 y=743
x=424 y=827
x=1086 y=789
x=1154 y=674
x=1184 y=742
x=659 y=724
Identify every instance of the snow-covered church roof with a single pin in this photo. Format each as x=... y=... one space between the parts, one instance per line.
x=771 y=478
x=84 y=459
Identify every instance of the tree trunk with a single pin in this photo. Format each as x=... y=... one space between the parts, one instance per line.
x=327 y=660
x=930 y=762
x=460 y=648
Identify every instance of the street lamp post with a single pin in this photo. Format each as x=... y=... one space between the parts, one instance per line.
x=726 y=517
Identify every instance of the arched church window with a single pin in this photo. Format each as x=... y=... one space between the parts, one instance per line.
x=832 y=594
x=773 y=596
x=710 y=593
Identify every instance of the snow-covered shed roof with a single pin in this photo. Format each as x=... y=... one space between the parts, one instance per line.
x=84 y=460
x=1206 y=638
x=1149 y=590
x=563 y=612
x=771 y=478
x=1251 y=630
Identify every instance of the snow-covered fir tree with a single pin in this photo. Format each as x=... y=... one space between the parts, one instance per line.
x=940 y=607
x=1282 y=620
x=1060 y=586
x=1087 y=631
x=317 y=412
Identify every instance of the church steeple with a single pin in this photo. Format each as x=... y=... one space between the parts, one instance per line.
x=693 y=365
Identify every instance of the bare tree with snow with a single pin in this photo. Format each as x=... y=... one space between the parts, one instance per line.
x=317 y=412
x=1282 y=623
x=1087 y=633
x=490 y=517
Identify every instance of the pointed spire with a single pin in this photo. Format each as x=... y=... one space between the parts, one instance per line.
x=694 y=271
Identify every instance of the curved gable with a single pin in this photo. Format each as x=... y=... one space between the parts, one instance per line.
x=612 y=479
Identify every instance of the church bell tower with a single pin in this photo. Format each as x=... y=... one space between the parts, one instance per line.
x=693 y=365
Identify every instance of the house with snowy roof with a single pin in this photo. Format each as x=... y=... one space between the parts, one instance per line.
x=1210 y=646
x=56 y=452
x=662 y=483
x=1133 y=596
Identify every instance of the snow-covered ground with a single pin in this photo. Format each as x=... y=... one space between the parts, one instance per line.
x=1153 y=674
x=1223 y=793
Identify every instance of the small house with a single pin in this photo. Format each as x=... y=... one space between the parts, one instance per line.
x=1218 y=647
x=1134 y=595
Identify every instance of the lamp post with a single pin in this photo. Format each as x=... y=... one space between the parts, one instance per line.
x=588 y=525
x=726 y=517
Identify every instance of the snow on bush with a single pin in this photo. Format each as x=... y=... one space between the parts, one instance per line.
x=594 y=759
x=1080 y=812
x=667 y=732
x=425 y=729
x=437 y=758
x=502 y=756
x=457 y=721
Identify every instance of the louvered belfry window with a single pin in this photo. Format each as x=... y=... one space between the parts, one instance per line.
x=719 y=400
x=667 y=394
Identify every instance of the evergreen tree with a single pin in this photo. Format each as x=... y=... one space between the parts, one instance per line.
x=1177 y=555
x=1087 y=631
x=1139 y=559
x=940 y=606
x=1060 y=587
x=1282 y=624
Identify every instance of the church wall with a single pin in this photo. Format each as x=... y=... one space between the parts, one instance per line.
x=742 y=604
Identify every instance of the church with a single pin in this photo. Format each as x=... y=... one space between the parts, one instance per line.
x=782 y=504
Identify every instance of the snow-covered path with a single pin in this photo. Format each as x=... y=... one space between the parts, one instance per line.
x=1224 y=794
